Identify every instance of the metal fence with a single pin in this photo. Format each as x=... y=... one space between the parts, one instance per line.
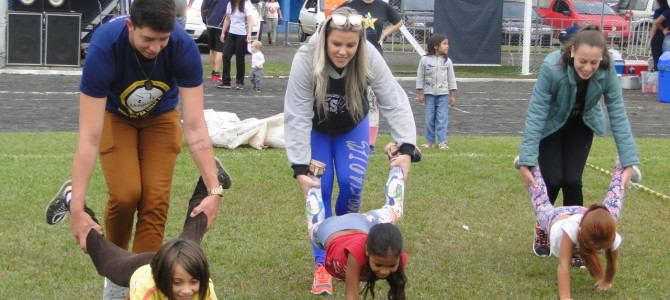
x=631 y=40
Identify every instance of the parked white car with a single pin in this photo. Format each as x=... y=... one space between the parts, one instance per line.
x=194 y=25
x=311 y=15
x=198 y=30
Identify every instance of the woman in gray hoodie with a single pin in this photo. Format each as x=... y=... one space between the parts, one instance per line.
x=326 y=108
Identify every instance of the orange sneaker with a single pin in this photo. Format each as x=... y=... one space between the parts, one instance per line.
x=323 y=282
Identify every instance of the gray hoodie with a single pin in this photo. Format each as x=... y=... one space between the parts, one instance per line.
x=435 y=75
x=299 y=101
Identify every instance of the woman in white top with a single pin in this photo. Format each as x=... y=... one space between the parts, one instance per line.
x=588 y=231
x=235 y=35
x=272 y=17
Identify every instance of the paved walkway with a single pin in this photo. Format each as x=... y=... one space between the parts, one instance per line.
x=50 y=103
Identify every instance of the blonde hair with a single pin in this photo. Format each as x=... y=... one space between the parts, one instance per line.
x=257 y=44
x=356 y=70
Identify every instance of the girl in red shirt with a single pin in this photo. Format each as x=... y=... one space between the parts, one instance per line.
x=362 y=246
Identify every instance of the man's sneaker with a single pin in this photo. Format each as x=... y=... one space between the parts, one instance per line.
x=323 y=282
x=224 y=177
x=223 y=86
x=636 y=177
x=443 y=146
x=239 y=86
x=577 y=262
x=541 y=242
x=57 y=208
x=216 y=77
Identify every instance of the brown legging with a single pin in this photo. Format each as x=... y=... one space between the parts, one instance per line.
x=118 y=264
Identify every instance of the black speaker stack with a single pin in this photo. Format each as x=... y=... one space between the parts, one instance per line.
x=43 y=32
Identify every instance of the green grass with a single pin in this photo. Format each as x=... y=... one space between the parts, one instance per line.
x=258 y=247
x=283 y=69
x=469 y=71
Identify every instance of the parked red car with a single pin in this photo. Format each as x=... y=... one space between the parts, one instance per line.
x=561 y=14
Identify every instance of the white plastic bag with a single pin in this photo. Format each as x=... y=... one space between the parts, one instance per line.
x=227 y=131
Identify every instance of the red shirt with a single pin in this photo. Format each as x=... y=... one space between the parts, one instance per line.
x=350 y=244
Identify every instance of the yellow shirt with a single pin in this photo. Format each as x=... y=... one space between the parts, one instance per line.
x=143 y=287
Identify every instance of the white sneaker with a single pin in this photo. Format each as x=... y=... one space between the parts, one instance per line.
x=113 y=291
x=636 y=177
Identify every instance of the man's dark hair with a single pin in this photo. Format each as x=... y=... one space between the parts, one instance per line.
x=158 y=15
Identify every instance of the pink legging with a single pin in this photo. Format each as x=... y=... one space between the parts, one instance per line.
x=545 y=212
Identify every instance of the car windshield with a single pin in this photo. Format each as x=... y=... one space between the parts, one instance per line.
x=420 y=5
x=632 y=4
x=593 y=8
x=515 y=11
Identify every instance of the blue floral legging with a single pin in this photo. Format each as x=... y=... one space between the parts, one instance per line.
x=545 y=212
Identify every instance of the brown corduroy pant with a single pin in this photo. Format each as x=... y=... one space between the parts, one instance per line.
x=138 y=159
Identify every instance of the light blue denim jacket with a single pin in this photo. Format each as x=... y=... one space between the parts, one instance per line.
x=552 y=101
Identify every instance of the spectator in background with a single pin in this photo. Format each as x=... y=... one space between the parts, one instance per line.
x=236 y=32
x=212 y=12
x=660 y=31
x=272 y=13
x=180 y=7
x=375 y=14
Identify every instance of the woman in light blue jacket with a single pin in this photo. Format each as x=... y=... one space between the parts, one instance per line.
x=563 y=114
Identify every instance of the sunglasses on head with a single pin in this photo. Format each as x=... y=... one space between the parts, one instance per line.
x=341 y=20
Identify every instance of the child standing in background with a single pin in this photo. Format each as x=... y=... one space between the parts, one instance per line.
x=257 y=61
x=435 y=85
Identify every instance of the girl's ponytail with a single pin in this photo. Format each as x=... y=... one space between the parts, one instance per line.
x=597 y=231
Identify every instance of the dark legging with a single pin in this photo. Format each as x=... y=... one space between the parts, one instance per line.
x=118 y=265
x=562 y=158
x=234 y=44
x=657 y=47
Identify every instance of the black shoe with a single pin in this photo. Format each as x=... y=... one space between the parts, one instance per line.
x=224 y=177
x=577 y=262
x=57 y=208
x=541 y=242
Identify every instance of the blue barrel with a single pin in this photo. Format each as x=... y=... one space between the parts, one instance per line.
x=664 y=77
x=619 y=66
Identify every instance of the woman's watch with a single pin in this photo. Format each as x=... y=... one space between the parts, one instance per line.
x=217 y=190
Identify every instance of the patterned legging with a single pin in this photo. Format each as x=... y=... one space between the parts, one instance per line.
x=545 y=213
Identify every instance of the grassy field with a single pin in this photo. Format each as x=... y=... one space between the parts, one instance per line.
x=258 y=247
x=278 y=68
